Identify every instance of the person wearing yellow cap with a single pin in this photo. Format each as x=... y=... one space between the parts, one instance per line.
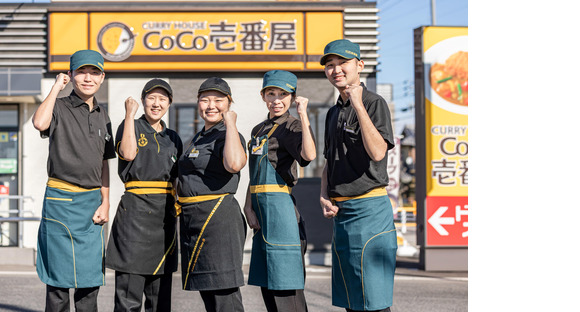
x=142 y=247
x=279 y=144
x=358 y=134
x=212 y=228
x=71 y=247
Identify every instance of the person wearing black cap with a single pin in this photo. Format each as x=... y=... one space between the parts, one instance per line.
x=212 y=226
x=71 y=246
x=358 y=134
x=278 y=145
x=143 y=243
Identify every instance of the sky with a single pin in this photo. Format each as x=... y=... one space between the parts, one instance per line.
x=397 y=20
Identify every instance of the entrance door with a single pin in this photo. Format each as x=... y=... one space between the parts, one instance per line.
x=8 y=172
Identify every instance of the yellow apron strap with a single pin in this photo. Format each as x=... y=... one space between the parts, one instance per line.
x=157 y=184
x=270 y=188
x=149 y=191
x=380 y=191
x=149 y=187
x=177 y=208
x=65 y=186
x=194 y=199
x=266 y=138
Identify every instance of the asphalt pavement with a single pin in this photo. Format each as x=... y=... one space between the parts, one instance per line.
x=415 y=290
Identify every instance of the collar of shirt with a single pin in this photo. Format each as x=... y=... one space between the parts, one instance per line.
x=279 y=120
x=343 y=104
x=217 y=127
x=149 y=128
x=76 y=101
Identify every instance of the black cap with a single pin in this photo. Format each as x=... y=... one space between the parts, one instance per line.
x=216 y=84
x=157 y=83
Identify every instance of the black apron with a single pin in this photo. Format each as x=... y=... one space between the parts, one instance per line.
x=144 y=235
x=212 y=234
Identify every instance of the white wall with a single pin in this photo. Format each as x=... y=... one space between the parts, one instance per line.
x=34 y=175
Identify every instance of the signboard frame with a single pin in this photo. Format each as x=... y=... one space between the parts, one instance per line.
x=439 y=207
x=195 y=41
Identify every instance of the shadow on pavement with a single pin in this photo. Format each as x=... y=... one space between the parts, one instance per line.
x=9 y=307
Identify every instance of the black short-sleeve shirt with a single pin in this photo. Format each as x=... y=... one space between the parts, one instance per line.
x=157 y=153
x=79 y=141
x=350 y=170
x=201 y=167
x=284 y=145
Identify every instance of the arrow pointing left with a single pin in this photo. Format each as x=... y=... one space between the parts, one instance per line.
x=437 y=221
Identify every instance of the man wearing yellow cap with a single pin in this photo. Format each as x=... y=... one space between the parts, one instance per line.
x=76 y=202
x=358 y=134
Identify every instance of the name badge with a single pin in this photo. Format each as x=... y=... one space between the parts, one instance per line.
x=257 y=151
x=349 y=129
x=194 y=153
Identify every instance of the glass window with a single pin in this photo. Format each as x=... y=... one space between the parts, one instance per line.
x=184 y=118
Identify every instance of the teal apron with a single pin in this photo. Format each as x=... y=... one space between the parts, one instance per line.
x=70 y=246
x=276 y=261
x=364 y=252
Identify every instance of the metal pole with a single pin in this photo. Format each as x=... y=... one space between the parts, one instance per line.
x=20 y=230
x=433 y=22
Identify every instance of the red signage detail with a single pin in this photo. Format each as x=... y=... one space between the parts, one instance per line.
x=4 y=190
x=446 y=221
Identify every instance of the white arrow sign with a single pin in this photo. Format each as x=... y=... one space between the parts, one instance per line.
x=437 y=221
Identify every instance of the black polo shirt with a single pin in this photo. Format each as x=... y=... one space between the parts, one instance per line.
x=79 y=141
x=157 y=154
x=201 y=167
x=284 y=145
x=351 y=171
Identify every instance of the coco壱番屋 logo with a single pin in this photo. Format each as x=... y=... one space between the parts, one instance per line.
x=116 y=41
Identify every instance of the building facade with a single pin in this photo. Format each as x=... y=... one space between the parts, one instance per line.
x=184 y=42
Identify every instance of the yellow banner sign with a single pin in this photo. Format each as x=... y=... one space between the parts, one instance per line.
x=137 y=41
x=446 y=106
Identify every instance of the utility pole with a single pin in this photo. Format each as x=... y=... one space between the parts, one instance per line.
x=433 y=22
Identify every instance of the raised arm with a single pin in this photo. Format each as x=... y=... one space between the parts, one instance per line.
x=374 y=144
x=43 y=115
x=128 y=146
x=308 y=151
x=234 y=155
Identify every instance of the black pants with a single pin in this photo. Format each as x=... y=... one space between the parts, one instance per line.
x=57 y=299
x=383 y=310
x=129 y=289
x=284 y=300
x=222 y=300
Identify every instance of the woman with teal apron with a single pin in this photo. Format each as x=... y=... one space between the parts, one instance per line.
x=143 y=243
x=277 y=263
x=212 y=226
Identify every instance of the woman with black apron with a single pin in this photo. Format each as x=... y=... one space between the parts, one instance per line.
x=212 y=226
x=279 y=242
x=142 y=248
